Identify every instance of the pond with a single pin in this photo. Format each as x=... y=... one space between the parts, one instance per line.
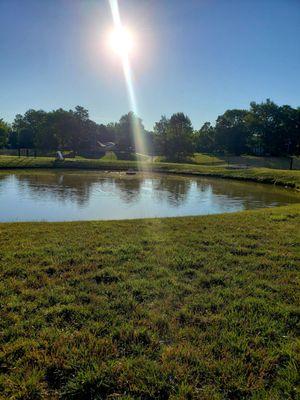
x=96 y=195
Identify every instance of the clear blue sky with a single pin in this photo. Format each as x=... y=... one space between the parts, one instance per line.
x=196 y=56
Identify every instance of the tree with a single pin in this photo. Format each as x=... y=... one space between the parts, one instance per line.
x=180 y=137
x=296 y=136
x=129 y=132
x=60 y=128
x=80 y=137
x=33 y=129
x=82 y=114
x=63 y=126
x=290 y=130
x=13 y=139
x=44 y=137
x=26 y=138
x=205 y=138
x=265 y=129
x=266 y=124
x=232 y=131
x=4 y=130
x=160 y=135
x=106 y=133
x=176 y=136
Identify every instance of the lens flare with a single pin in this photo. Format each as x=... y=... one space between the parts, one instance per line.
x=122 y=42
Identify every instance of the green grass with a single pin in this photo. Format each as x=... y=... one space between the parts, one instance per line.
x=198 y=158
x=243 y=160
x=206 y=159
x=246 y=160
x=109 y=156
x=182 y=308
x=263 y=175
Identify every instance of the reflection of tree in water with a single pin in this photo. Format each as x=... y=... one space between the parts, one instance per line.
x=77 y=187
x=204 y=187
x=129 y=187
x=251 y=195
x=62 y=186
x=3 y=179
x=173 y=189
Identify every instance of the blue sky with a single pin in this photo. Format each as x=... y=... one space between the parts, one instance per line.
x=196 y=56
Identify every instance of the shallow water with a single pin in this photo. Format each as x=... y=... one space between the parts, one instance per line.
x=91 y=195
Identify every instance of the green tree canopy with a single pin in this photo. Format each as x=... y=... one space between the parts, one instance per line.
x=175 y=136
x=264 y=128
x=4 y=130
x=232 y=131
x=129 y=132
x=205 y=138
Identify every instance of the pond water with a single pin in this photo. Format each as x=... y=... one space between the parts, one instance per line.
x=91 y=195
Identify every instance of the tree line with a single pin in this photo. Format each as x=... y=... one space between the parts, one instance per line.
x=263 y=129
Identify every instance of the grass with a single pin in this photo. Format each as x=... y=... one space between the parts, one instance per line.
x=109 y=156
x=262 y=175
x=181 y=308
x=206 y=159
x=243 y=160
x=198 y=158
x=246 y=160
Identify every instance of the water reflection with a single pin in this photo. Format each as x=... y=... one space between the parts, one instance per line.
x=71 y=195
x=129 y=187
x=174 y=191
x=58 y=186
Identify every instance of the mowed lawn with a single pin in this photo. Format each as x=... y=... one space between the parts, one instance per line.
x=251 y=161
x=182 y=308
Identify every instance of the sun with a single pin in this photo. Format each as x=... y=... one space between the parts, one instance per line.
x=121 y=41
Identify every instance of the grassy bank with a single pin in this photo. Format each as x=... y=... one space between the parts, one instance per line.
x=247 y=160
x=243 y=160
x=183 y=308
x=263 y=175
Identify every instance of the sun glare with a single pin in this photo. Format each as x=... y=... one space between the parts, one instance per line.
x=121 y=41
